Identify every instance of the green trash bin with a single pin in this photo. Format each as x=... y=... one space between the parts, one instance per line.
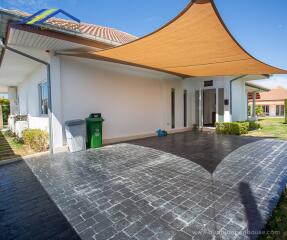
x=94 y=130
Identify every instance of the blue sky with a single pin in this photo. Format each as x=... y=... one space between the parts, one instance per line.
x=259 y=26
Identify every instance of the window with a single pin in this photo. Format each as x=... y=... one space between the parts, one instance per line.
x=172 y=108
x=184 y=108
x=265 y=110
x=279 y=110
x=208 y=83
x=43 y=97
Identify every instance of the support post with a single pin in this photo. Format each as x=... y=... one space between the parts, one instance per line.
x=254 y=105
x=217 y=101
x=200 y=109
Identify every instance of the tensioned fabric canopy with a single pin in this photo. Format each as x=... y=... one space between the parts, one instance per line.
x=195 y=43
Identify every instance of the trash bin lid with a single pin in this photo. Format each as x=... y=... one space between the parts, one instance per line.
x=74 y=122
x=94 y=119
x=95 y=115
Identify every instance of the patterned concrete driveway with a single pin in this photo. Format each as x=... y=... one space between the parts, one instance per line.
x=131 y=191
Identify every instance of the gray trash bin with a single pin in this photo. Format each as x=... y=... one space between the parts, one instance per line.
x=76 y=135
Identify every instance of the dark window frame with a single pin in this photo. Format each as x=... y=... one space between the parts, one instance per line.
x=184 y=108
x=172 y=108
x=208 y=83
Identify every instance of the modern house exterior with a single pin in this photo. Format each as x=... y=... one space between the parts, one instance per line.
x=272 y=102
x=134 y=99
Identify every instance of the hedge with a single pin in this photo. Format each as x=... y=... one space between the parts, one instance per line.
x=36 y=139
x=233 y=128
x=254 y=125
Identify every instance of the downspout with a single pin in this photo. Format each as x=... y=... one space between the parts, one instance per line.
x=49 y=88
x=230 y=93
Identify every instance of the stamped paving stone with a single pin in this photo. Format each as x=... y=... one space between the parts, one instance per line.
x=144 y=234
x=169 y=217
x=178 y=224
x=122 y=224
x=166 y=184
x=134 y=228
x=26 y=210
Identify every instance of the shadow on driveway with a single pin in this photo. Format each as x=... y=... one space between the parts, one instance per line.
x=26 y=210
x=205 y=149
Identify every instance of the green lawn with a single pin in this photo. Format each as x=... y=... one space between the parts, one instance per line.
x=272 y=127
x=278 y=222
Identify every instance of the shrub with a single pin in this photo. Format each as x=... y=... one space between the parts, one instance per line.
x=221 y=128
x=36 y=139
x=233 y=128
x=259 y=111
x=254 y=125
x=285 y=110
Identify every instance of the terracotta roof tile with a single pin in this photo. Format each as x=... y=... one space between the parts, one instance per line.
x=89 y=30
x=275 y=94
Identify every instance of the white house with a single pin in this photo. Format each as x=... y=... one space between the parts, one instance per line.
x=133 y=100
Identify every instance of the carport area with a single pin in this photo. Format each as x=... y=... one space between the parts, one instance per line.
x=184 y=186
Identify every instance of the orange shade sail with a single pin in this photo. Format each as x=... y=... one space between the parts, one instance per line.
x=195 y=43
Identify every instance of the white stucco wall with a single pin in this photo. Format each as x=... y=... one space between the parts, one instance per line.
x=239 y=103
x=28 y=94
x=132 y=101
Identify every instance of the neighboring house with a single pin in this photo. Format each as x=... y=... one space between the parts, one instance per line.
x=272 y=102
x=3 y=92
x=134 y=99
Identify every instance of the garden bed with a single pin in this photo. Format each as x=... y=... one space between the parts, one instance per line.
x=11 y=148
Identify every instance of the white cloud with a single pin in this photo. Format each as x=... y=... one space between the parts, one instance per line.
x=273 y=82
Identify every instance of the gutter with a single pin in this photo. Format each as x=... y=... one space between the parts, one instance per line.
x=230 y=93
x=48 y=83
x=260 y=88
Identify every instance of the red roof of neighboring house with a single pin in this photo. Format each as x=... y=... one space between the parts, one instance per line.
x=89 y=30
x=279 y=93
x=250 y=96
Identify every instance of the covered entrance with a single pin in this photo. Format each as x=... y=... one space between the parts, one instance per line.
x=209 y=106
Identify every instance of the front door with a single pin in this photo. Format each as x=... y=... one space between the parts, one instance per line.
x=209 y=107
